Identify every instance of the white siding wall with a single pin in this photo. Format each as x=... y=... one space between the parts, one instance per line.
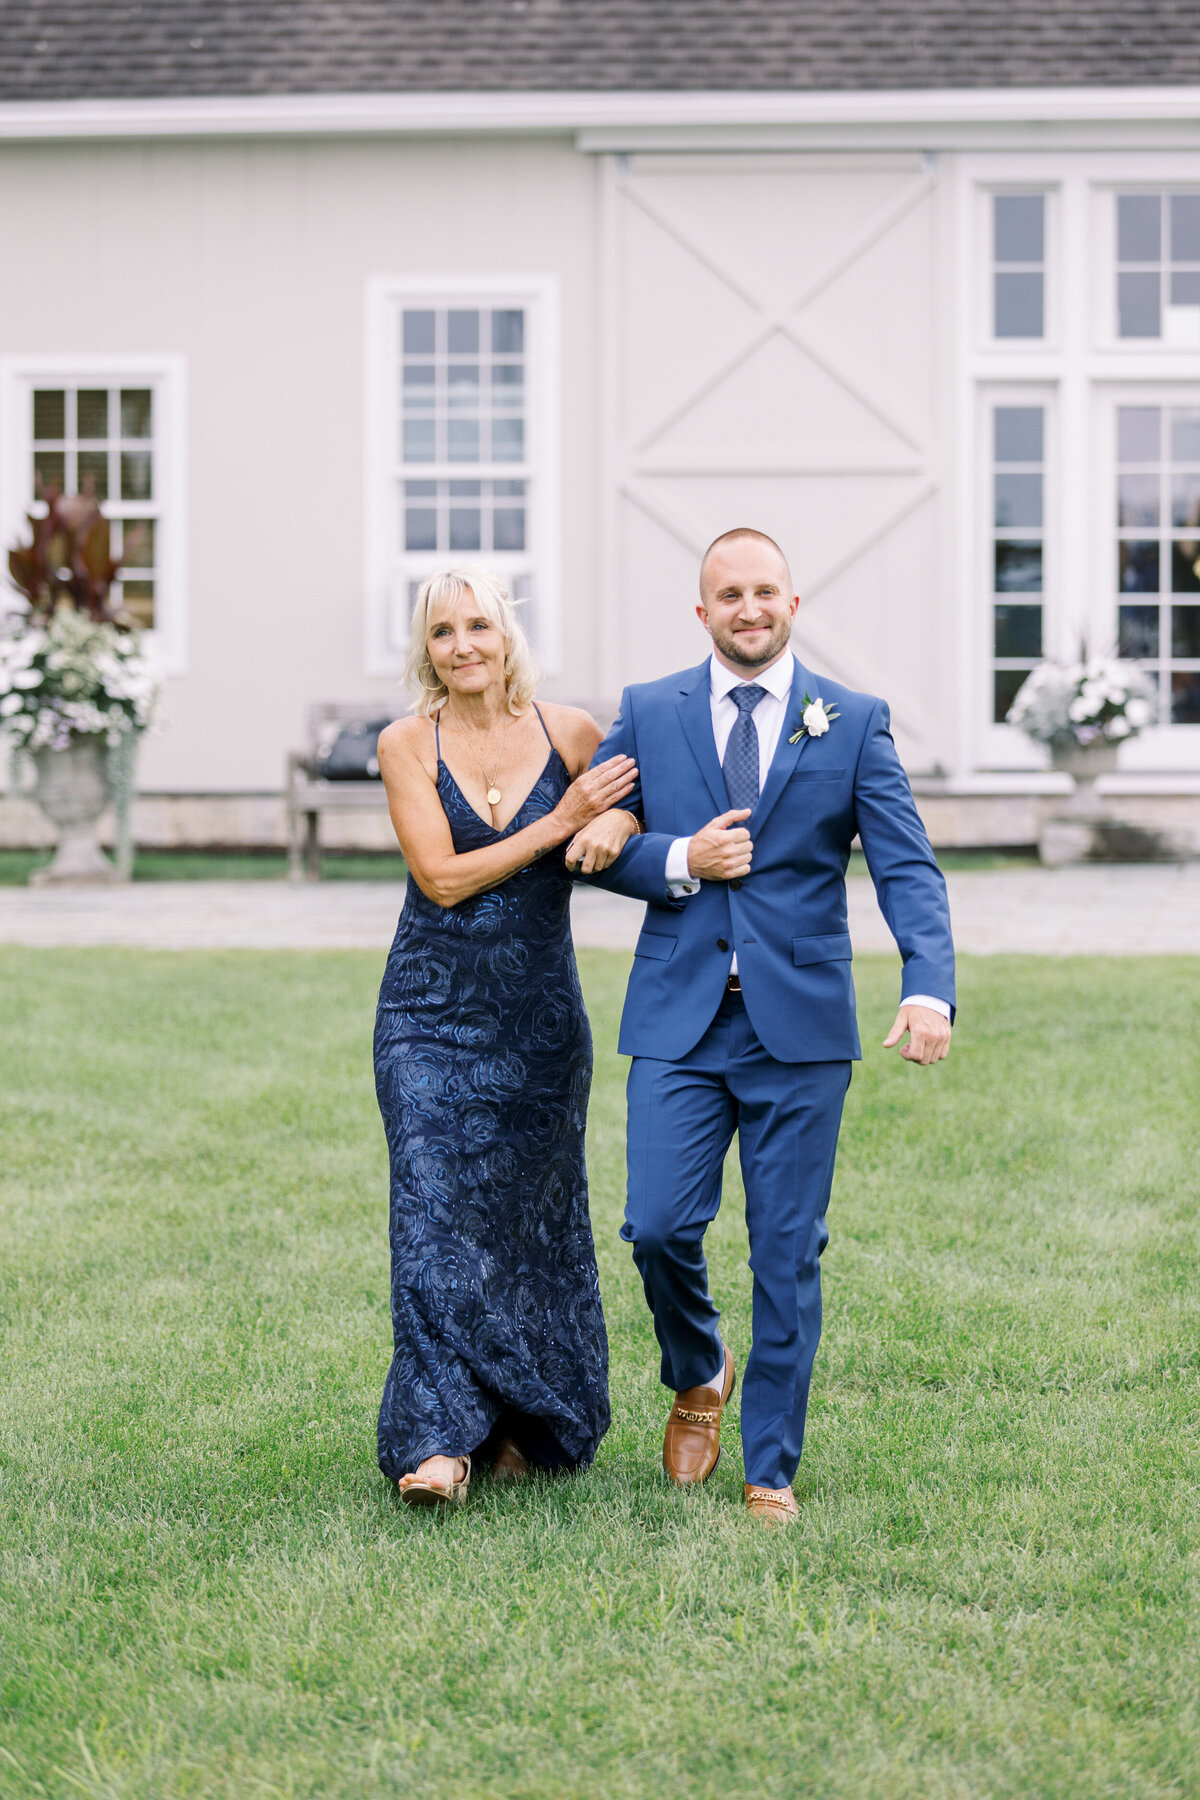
x=250 y=261
x=745 y=339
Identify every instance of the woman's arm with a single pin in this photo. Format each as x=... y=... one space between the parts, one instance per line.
x=423 y=830
x=602 y=840
x=599 y=844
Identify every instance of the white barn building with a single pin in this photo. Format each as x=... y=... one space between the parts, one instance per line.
x=331 y=293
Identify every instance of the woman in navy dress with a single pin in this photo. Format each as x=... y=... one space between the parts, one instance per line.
x=483 y=1060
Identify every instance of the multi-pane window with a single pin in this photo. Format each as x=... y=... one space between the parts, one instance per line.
x=1158 y=267
x=1018 y=265
x=464 y=384
x=1017 y=544
x=100 y=441
x=1078 y=444
x=1158 y=551
x=464 y=439
x=462 y=431
x=464 y=517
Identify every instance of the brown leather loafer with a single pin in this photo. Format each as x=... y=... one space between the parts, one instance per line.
x=774 y=1506
x=692 y=1445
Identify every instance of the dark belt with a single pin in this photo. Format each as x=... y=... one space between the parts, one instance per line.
x=733 y=985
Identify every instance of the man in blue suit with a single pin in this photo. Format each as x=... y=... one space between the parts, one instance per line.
x=739 y=1014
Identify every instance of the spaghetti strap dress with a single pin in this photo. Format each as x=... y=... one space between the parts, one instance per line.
x=483 y=1064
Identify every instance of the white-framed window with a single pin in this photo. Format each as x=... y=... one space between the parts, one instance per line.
x=1017 y=560
x=1157 y=287
x=1119 y=356
x=1018 y=284
x=462 y=447
x=112 y=427
x=1155 y=526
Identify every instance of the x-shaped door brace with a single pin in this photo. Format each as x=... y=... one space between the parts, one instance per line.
x=696 y=547
x=783 y=320
x=915 y=498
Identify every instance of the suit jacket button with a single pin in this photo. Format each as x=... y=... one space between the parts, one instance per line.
x=721 y=944
x=736 y=882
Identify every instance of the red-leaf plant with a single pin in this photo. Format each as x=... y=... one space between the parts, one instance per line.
x=69 y=562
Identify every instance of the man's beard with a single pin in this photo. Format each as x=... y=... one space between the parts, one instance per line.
x=730 y=645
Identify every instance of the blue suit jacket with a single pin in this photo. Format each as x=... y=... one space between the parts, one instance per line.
x=787 y=919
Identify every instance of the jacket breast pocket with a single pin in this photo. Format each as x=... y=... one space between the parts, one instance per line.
x=829 y=946
x=806 y=775
x=656 y=946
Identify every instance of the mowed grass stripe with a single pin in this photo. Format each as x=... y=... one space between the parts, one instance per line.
x=206 y=1589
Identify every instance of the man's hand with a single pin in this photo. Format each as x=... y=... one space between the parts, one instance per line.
x=928 y=1035
x=722 y=850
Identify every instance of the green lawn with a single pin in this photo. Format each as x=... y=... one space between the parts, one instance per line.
x=206 y=1589
x=16 y=866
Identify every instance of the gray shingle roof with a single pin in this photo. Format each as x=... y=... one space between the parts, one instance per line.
x=75 y=49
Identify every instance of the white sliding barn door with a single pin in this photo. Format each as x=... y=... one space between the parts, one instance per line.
x=774 y=361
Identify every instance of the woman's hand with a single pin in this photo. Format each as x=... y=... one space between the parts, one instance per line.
x=594 y=792
x=601 y=842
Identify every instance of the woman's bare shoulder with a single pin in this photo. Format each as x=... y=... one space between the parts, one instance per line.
x=573 y=732
x=407 y=738
x=570 y=725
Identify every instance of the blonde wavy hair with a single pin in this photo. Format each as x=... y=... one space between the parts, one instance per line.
x=439 y=596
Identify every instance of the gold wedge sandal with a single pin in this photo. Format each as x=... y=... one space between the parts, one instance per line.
x=511 y=1463
x=439 y=1495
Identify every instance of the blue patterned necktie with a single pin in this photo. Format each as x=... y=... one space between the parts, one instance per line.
x=740 y=765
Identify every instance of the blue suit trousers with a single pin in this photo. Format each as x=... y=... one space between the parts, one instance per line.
x=682 y=1117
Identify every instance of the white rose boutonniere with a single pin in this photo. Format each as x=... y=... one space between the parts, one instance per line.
x=815 y=719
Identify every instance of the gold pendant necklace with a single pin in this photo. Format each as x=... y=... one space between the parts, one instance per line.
x=494 y=795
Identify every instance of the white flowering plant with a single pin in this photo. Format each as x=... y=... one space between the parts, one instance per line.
x=71 y=662
x=1092 y=701
x=73 y=675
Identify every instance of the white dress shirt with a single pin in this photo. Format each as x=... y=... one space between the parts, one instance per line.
x=768 y=717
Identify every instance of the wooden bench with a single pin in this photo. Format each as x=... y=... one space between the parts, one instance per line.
x=309 y=795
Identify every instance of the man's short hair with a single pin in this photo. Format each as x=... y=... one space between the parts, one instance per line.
x=729 y=537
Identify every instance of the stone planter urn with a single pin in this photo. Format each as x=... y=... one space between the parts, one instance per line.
x=73 y=791
x=1078 y=829
x=1085 y=763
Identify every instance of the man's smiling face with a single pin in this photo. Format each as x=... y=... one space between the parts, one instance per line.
x=746 y=603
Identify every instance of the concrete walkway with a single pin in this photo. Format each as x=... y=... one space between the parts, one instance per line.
x=1103 y=911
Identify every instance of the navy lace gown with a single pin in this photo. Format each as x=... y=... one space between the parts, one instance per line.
x=483 y=1062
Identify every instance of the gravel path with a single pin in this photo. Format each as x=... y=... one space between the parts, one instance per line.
x=1129 y=911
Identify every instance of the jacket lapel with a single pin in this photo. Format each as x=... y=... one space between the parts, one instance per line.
x=786 y=755
x=695 y=715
